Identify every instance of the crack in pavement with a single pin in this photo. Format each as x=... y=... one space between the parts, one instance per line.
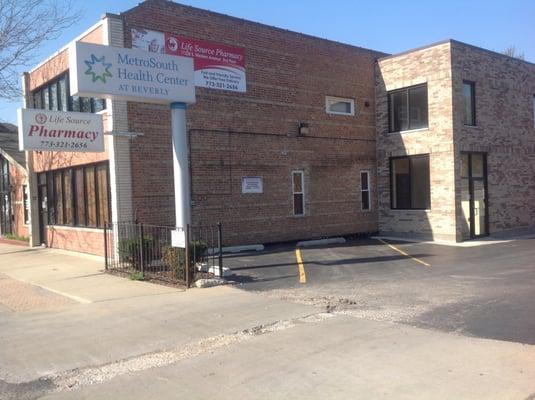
x=79 y=377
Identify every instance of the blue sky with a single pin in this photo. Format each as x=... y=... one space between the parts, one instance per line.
x=389 y=26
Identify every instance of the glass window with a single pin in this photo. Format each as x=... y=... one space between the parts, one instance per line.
x=365 y=190
x=102 y=190
x=75 y=103
x=85 y=104
x=37 y=100
x=339 y=105
x=90 y=196
x=58 y=191
x=408 y=108
x=298 y=192
x=398 y=112
x=63 y=95
x=469 y=103
x=410 y=185
x=54 y=97
x=418 y=107
x=67 y=197
x=78 y=196
x=99 y=105
x=46 y=98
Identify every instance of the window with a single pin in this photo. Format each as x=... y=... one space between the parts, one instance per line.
x=55 y=95
x=26 y=204
x=339 y=106
x=469 y=103
x=78 y=196
x=409 y=182
x=298 y=187
x=365 y=190
x=407 y=109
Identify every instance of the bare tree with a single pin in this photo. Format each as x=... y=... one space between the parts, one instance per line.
x=511 y=52
x=24 y=26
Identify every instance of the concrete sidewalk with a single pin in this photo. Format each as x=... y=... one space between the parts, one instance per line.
x=118 y=318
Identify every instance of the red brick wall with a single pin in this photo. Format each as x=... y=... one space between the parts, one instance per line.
x=17 y=179
x=85 y=240
x=288 y=77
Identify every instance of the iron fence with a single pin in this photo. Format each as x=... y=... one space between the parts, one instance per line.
x=147 y=252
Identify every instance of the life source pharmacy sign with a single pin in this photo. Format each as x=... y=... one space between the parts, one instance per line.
x=217 y=66
x=129 y=74
x=60 y=131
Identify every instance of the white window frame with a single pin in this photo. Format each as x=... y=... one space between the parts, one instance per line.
x=302 y=192
x=368 y=191
x=331 y=99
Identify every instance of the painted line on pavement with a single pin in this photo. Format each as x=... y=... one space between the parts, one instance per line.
x=300 y=266
x=405 y=254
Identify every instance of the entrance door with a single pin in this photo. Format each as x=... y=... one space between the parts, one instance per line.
x=474 y=194
x=43 y=207
x=5 y=198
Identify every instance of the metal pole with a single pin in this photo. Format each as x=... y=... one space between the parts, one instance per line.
x=180 y=164
x=186 y=253
x=105 y=246
x=142 y=251
x=220 y=244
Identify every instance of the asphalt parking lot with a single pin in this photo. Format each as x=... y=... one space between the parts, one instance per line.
x=485 y=291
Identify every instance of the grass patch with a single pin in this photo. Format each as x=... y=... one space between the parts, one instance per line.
x=14 y=236
x=137 y=276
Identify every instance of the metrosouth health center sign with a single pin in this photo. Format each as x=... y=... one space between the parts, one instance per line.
x=130 y=74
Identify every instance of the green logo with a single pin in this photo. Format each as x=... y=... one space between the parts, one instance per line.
x=98 y=68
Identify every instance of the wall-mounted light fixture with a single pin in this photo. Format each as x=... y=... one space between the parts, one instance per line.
x=303 y=128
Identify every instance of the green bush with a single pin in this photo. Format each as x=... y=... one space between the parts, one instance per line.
x=129 y=251
x=173 y=257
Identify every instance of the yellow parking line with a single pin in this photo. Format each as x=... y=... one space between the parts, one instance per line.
x=405 y=254
x=300 y=266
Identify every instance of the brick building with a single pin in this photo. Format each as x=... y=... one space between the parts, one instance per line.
x=14 y=203
x=455 y=143
x=322 y=130
x=305 y=125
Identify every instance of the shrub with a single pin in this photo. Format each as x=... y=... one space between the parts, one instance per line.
x=173 y=257
x=129 y=250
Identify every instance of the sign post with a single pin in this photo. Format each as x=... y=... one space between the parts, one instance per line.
x=137 y=75
x=181 y=164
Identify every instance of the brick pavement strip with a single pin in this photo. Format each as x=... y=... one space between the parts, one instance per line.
x=20 y=296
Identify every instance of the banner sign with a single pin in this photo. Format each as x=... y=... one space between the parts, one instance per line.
x=127 y=74
x=60 y=131
x=217 y=66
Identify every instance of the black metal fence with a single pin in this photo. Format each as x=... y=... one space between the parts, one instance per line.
x=146 y=252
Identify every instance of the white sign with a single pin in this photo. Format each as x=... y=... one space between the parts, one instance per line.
x=129 y=74
x=178 y=238
x=252 y=184
x=60 y=131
